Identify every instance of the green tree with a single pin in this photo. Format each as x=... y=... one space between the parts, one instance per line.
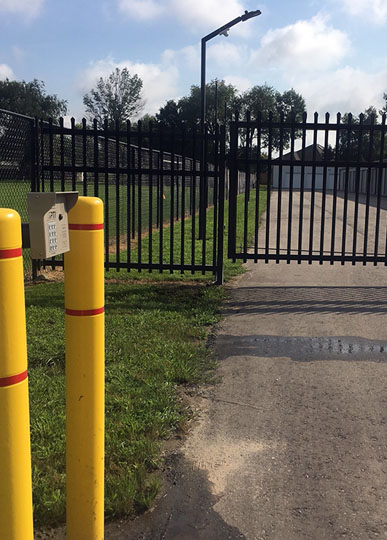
x=187 y=108
x=383 y=110
x=360 y=142
x=31 y=99
x=218 y=95
x=169 y=115
x=264 y=100
x=291 y=103
x=116 y=98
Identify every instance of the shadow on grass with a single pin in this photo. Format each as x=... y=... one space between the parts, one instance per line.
x=181 y=298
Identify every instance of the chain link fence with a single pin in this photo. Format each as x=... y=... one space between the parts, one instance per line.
x=16 y=165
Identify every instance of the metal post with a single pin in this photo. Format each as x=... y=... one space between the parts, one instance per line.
x=202 y=210
x=203 y=86
x=223 y=30
x=222 y=174
x=35 y=179
x=233 y=191
x=216 y=102
x=15 y=453
x=84 y=301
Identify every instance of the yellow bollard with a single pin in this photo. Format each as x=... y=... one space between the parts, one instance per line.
x=15 y=454
x=85 y=375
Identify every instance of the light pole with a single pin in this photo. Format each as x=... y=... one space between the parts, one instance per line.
x=223 y=30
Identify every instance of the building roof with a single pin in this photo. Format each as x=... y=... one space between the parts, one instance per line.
x=308 y=153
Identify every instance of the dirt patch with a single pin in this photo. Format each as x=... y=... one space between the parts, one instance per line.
x=46 y=276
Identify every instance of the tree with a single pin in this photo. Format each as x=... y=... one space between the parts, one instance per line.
x=358 y=143
x=384 y=109
x=259 y=99
x=218 y=95
x=30 y=98
x=290 y=103
x=264 y=100
x=187 y=108
x=148 y=121
x=221 y=96
x=169 y=115
x=116 y=98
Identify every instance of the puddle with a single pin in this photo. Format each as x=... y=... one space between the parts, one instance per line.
x=312 y=348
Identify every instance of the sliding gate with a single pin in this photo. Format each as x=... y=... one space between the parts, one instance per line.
x=315 y=191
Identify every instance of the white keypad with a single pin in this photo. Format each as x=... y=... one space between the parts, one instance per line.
x=52 y=237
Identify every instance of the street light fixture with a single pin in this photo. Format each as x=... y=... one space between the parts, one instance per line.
x=222 y=31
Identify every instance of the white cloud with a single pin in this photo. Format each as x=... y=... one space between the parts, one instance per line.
x=241 y=83
x=375 y=10
x=226 y=54
x=203 y=15
x=141 y=9
x=307 y=45
x=160 y=81
x=6 y=72
x=343 y=90
x=187 y=57
x=27 y=8
x=209 y=14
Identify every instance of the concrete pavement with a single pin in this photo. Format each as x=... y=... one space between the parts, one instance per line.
x=292 y=443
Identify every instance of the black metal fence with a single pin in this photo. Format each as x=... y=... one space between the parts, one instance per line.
x=324 y=185
x=149 y=180
x=312 y=190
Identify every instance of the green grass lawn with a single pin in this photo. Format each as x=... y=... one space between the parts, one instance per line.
x=172 y=250
x=14 y=195
x=156 y=333
x=155 y=340
x=121 y=205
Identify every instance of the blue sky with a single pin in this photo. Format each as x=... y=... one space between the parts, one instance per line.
x=332 y=51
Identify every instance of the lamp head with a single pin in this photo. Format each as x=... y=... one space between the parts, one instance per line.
x=250 y=14
x=225 y=32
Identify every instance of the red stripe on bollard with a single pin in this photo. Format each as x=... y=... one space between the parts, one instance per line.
x=85 y=227
x=13 y=379
x=84 y=312
x=10 y=253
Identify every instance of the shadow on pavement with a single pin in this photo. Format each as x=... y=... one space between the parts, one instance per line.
x=184 y=511
x=266 y=300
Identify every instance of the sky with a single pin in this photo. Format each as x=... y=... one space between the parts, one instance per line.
x=331 y=51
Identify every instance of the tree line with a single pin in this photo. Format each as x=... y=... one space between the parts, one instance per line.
x=118 y=98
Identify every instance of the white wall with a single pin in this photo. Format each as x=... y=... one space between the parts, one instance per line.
x=363 y=178
x=308 y=177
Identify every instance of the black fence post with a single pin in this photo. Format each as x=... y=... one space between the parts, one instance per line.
x=222 y=174
x=35 y=177
x=233 y=190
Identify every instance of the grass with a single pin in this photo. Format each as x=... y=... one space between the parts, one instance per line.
x=118 y=202
x=155 y=339
x=172 y=250
x=156 y=333
x=14 y=195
